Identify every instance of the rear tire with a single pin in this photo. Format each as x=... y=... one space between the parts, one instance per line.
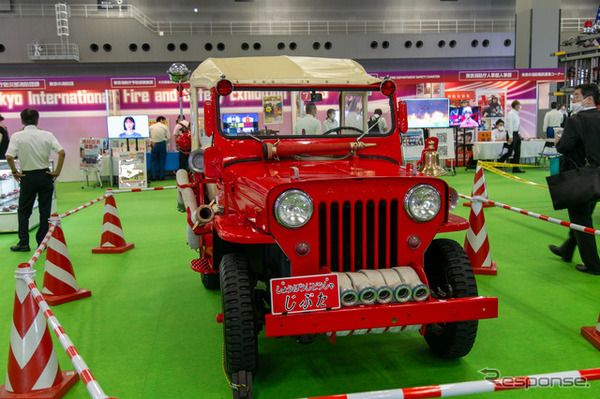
x=239 y=325
x=448 y=266
x=210 y=281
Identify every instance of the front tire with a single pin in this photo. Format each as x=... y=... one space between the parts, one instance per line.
x=240 y=330
x=449 y=271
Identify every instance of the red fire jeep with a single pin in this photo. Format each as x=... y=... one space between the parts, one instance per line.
x=312 y=226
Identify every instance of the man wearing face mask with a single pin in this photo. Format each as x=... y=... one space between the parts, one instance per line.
x=514 y=137
x=499 y=134
x=584 y=127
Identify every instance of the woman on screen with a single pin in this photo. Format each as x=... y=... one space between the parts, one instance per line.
x=468 y=121
x=129 y=126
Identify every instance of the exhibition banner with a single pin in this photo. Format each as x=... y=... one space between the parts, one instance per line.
x=89 y=93
x=535 y=75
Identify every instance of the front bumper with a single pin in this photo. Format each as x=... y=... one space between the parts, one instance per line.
x=381 y=316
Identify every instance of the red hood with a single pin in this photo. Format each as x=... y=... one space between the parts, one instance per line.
x=253 y=180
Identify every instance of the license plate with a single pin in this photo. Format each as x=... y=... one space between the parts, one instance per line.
x=305 y=293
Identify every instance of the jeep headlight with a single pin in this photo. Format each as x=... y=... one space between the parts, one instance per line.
x=293 y=208
x=422 y=202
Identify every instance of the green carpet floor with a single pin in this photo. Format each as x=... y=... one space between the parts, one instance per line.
x=149 y=329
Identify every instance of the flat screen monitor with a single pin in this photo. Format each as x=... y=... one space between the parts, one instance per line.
x=127 y=126
x=240 y=123
x=427 y=112
x=465 y=117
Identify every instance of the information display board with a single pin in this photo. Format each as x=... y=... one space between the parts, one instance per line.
x=132 y=169
x=90 y=154
x=413 y=144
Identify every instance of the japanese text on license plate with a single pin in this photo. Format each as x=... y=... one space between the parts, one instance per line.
x=305 y=293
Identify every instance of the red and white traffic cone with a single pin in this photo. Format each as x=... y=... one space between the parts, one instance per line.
x=479 y=187
x=477 y=245
x=33 y=370
x=60 y=285
x=112 y=240
x=592 y=334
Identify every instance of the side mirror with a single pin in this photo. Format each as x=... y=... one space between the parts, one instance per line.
x=209 y=118
x=402 y=116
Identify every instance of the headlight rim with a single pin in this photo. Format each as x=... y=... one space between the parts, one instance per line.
x=408 y=196
x=286 y=194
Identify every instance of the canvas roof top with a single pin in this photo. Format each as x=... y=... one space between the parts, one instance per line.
x=281 y=70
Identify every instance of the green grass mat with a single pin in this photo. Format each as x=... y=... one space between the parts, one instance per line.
x=149 y=329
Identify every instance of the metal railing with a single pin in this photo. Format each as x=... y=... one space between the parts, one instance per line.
x=572 y=24
x=283 y=27
x=58 y=51
x=269 y=27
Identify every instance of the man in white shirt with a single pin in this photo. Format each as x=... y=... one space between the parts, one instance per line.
x=552 y=120
x=159 y=136
x=308 y=125
x=514 y=137
x=330 y=123
x=33 y=147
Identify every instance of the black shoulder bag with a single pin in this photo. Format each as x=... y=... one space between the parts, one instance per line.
x=577 y=186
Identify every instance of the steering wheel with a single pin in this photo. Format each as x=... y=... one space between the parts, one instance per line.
x=338 y=130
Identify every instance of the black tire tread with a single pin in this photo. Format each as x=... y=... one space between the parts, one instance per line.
x=210 y=281
x=447 y=262
x=239 y=326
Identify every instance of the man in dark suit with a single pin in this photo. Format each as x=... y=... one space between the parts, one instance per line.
x=583 y=127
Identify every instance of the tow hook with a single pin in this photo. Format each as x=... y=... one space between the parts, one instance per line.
x=220 y=318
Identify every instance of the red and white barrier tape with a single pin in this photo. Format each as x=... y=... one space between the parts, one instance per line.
x=27 y=274
x=43 y=244
x=62 y=215
x=111 y=192
x=135 y=190
x=535 y=215
x=575 y=379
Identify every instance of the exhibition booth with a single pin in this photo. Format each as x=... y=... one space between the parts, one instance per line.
x=95 y=107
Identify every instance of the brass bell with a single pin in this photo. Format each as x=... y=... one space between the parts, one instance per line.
x=431 y=164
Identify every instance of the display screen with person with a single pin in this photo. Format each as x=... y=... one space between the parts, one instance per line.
x=129 y=127
x=467 y=115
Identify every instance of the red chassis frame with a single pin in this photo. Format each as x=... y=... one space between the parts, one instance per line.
x=377 y=316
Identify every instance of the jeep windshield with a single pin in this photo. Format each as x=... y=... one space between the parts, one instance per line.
x=305 y=111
